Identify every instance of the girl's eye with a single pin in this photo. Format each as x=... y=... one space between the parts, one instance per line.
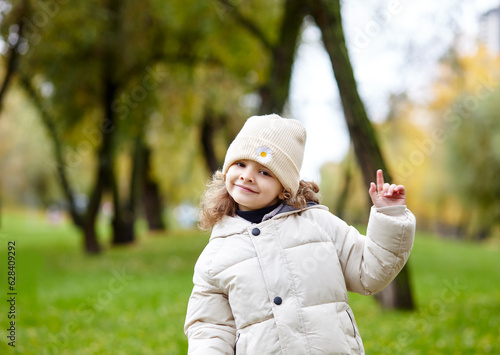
x=241 y=165
x=265 y=173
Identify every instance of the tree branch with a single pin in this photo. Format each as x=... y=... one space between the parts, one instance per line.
x=13 y=54
x=60 y=167
x=247 y=23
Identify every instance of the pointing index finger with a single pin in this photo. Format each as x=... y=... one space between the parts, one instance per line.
x=380 y=180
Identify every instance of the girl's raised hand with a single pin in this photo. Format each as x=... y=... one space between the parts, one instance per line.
x=384 y=194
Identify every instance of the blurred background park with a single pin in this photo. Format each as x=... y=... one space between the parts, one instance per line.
x=114 y=114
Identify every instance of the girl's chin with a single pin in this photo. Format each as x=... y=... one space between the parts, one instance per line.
x=246 y=206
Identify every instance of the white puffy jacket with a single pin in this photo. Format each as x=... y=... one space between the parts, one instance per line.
x=280 y=286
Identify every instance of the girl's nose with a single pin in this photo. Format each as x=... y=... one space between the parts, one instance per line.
x=246 y=176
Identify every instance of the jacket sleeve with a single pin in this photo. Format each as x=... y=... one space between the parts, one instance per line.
x=209 y=325
x=371 y=262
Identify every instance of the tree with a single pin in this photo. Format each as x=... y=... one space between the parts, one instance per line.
x=274 y=93
x=465 y=125
x=473 y=163
x=16 y=32
x=107 y=67
x=328 y=17
x=151 y=199
x=281 y=51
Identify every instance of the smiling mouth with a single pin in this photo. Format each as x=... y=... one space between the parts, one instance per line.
x=245 y=189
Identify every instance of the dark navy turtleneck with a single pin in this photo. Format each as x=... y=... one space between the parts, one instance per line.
x=256 y=216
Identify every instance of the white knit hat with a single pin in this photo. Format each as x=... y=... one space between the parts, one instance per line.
x=275 y=142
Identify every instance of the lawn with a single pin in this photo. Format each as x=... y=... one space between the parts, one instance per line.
x=132 y=300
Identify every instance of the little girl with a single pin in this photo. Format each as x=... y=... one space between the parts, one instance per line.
x=274 y=276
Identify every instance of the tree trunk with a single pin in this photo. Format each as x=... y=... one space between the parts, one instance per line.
x=151 y=198
x=60 y=166
x=342 y=200
x=328 y=18
x=12 y=59
x=209 y=127
x=123 y=228
x=125 y=216
x=398 y=295
x=274 y=93
x=123 y=219
x=90 y=238
x=13 y=52
x=86 y=224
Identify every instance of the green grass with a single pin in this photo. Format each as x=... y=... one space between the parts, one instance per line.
x=456 y=287
x=132 y=300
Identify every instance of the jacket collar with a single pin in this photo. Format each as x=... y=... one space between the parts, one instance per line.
x=228 y=226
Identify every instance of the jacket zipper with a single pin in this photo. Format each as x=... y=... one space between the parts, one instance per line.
x=353 y=327
x=236 y=342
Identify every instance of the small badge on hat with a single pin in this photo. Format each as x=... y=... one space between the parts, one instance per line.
x=264 y=154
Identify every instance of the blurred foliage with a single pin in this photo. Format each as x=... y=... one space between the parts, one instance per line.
x=175 y=62
x=465 y=110
x=342 y=190
x=445 y=150
x=172 y=62
x=473 y=158
x=26 y=162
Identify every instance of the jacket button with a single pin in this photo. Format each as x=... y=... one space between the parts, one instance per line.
x=256 y=231
x=277 y=301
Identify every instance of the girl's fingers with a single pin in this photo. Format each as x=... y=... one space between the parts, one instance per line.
x=390 y=191
x=384 y=189
x=380 y=180
x=400 y=189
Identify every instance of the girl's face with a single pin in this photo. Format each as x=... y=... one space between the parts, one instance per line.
x=252 y=185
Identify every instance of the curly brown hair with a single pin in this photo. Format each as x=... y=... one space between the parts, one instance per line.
x=217 y=203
